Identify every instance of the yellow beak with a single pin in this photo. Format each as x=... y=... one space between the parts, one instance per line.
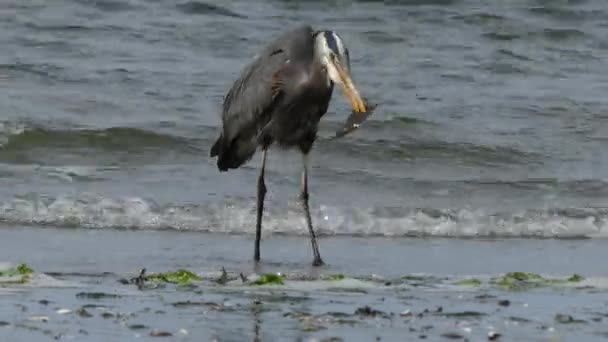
x=350 y=91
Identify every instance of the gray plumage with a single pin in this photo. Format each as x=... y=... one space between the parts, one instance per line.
x=280 y=98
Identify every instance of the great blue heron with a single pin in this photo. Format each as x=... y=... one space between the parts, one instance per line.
x=280 y=97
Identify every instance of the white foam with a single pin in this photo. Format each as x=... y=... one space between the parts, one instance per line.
x=7 y=130
x=238 y=216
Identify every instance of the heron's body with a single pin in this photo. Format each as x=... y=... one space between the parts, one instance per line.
x=286 y=109
x=279 y=98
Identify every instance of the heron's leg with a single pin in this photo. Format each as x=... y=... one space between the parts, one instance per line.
x=261 y=194
x=304 y=198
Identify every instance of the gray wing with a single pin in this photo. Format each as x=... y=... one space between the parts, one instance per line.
x=248 y=105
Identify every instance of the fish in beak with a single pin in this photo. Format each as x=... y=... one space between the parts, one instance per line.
x=339 y=74
x=331 y=51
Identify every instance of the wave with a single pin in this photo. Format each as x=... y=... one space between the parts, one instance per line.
x=41 y=70
x=412 y=148
x=569 y=13
x=480 y=18
x=561 y=34
x=110 y=5
x=237 y=216
x=20 y=137
x=197 y=7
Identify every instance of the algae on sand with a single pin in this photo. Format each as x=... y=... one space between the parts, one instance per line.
x=337 y=276
x=525 y=280
x=269 y=279
x=181 y=276
x=16 y=275
x=575 y=278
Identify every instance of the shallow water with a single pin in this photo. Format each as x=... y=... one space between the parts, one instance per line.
x=413 y=287
x=491 y=117
x=486 y=155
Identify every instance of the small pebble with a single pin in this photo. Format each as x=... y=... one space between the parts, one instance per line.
x=504 y=302
x=156 y=333
x=39 y=318
x=452 y=336
x=107 y=315
x=565 y=319
x=64 y=311
x=82 y=312
x=137 y=327
x=492 y=336
x=3 y=323
x=484 y=296
x=561 y=318
x=406 y=313
x=183 y=331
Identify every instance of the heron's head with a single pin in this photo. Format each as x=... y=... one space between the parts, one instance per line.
x=335 y=60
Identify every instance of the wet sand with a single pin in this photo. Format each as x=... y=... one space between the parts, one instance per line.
x=393 y=289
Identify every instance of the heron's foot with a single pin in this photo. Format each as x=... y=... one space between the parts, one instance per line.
x=317 y=261
x=140 y=279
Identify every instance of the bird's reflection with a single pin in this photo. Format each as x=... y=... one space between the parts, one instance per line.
x=256 y=309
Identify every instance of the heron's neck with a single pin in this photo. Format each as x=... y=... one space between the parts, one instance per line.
x=318 y=72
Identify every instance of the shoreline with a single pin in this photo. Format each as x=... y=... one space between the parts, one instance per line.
x=424 y=289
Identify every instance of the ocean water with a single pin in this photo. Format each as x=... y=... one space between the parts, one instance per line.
x=491 y=118
x=486 y=155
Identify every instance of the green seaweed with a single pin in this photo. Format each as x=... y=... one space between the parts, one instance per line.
x=524 y=280
x=337 y=276
x=575 y=278
x=181 y=276
x=520 y=280
x=269 y=279
x=22 y=271
x=522 y=276
x=420 y=280
x=469 y=282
